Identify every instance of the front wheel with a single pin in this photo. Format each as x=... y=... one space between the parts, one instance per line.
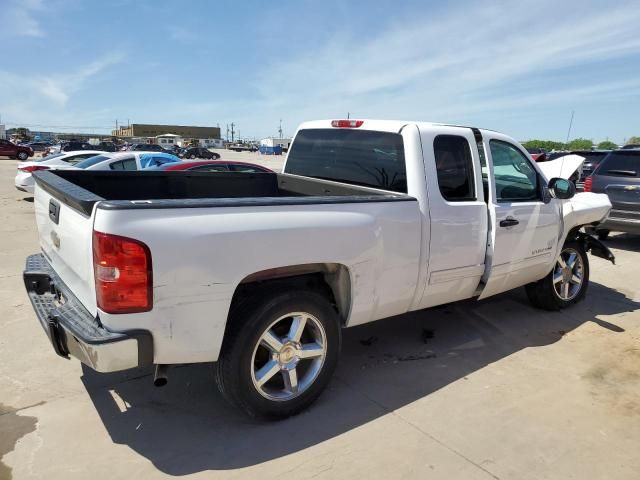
x=279 y=353
x=23 y=156
x=567 y=282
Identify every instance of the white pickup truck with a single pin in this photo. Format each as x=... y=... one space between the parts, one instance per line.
x=260 y=272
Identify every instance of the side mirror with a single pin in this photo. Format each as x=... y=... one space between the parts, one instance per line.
x=562 y=188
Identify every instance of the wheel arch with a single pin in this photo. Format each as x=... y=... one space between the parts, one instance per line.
x=333 y=280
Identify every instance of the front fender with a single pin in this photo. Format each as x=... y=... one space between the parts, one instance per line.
x=595 y=246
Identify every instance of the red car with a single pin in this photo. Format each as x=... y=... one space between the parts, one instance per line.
x=214 y=166
x=11 y=150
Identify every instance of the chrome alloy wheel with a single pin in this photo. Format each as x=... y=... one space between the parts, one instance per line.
x=568 y=274
x=289 y=356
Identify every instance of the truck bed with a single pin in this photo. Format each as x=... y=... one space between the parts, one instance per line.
x=178 y=189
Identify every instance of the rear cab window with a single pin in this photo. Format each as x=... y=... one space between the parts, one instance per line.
x=358 y=157
x=620 y=163
x=454 y=165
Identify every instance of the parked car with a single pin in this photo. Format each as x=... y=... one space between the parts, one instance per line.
x=243 y=147
x=75 y=146
x=24 y=180
x=126 y=161
x=618 y=175
x=537 y=154
x=11 y=150
x=592 y=159
x=39 y=146
x=107 y=146
x=200 y=152
x=260 y=272
x=147 y=147
x=214 y=166
x=631 y=146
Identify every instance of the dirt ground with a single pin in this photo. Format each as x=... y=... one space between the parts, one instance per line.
x=492 y=389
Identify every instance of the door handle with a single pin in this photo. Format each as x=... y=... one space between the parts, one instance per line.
x=509 y=222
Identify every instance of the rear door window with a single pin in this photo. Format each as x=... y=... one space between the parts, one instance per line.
x=358 y=157
x=210 y=168
x=91 y=161
x=128 y=164
x=454 y=165
x=620 y=164
x=244 y=168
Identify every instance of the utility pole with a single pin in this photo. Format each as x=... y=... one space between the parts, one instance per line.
x=227 y=137
x=570 y=124
x=232 y=132
x=280 y=129
x=348 y=116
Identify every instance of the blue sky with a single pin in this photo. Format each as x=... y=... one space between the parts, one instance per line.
x=518 y=67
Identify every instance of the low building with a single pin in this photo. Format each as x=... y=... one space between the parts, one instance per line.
x=184 y=131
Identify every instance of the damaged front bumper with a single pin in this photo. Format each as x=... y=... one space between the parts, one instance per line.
x=596 y=247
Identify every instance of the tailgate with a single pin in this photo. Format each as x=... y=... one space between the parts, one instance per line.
x=65 y=237
x=624 y=197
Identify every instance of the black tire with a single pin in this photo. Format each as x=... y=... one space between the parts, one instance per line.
x=192 y=157
x=542 y=294
x=215 y=156
x=603 y=234
x=247 y=323
x=22 y=156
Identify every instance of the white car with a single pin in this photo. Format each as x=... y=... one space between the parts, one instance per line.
x=126 y=161
x=24 y=180
x=261 y=272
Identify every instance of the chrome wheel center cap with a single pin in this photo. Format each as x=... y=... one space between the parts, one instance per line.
x=288 y=354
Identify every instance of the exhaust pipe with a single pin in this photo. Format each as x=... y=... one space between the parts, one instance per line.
x=160 y=375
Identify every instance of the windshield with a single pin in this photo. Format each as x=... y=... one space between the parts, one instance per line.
x=89 y=162
x=360 y=157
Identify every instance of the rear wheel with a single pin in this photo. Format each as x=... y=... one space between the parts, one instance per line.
x=566 y=283
x=279 y=353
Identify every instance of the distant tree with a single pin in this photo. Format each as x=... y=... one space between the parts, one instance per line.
x=23 y=134
x=580 y=144
x=634 y=140
x=607 y=145
x=546 y=144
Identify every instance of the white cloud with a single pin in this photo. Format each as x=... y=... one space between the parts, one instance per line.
x=20 y=17
x=46 y=96
x=443 y=67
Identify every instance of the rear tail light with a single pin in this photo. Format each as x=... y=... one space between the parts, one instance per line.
x=33 y=168
x=588 y=184
x=346 y=123
x=123 y=274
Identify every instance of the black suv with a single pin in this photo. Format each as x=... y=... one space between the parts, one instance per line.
x=74 y=146
x=200 y=152
x=148 y=147
x=618 y=175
